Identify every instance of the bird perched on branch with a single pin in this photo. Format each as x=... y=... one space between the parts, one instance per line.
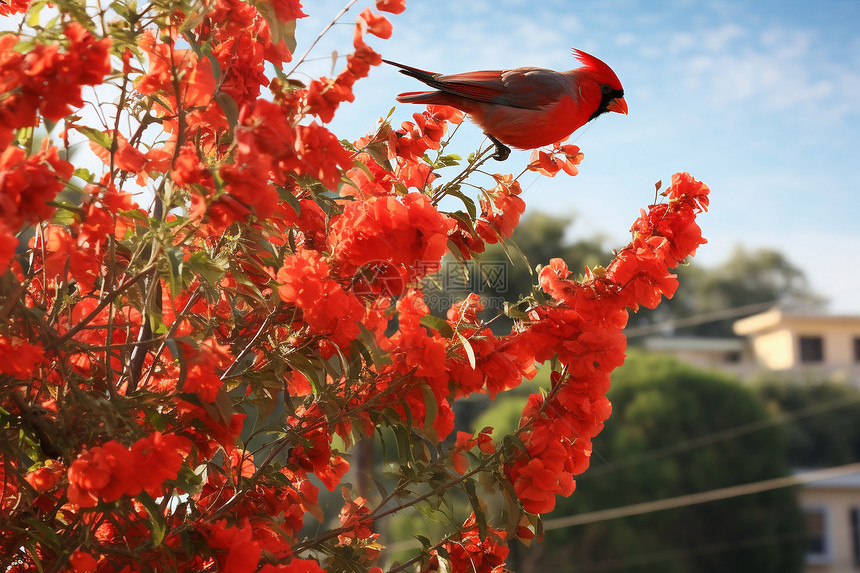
x=524 y=107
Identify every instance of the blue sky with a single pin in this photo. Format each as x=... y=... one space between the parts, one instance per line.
x=757 y=99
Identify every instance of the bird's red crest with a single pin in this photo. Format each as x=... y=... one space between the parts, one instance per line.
x=598 y=67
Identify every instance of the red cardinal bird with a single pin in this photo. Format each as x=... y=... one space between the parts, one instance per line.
x=525 y=107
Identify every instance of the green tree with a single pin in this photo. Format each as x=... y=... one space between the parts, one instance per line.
x=657 y=403
x=823 y=420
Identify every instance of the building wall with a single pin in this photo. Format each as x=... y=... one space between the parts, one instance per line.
x=774 y=350
x=839 y=531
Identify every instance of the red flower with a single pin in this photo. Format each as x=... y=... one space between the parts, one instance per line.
x=294 y=566
x=287 y=10
x=354 y=517
x=393 y=6
x=473 y=553
x=46 y=477
x=325 y=306
x=8 y=244
x=321 y=154
x=325 y=95
x=18 y=358
x=47 y=80
x=9 y=7
x=110 y=471
x=465 y=442
x=501 y=212
x=379 y=26
x=27 y=183
x=408 y=232
x=82 y=562
x=235 y=549
x=548 y=164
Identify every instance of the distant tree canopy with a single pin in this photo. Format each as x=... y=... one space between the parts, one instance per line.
x=506 y=272
x=823 y=420
x=658 y=403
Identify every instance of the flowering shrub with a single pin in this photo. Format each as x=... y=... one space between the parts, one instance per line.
x=205 y=311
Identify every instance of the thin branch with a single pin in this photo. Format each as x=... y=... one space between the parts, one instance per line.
x=323 y=33
x=101 y=306
x=249 y=345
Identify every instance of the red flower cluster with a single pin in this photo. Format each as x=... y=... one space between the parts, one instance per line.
x=110 y=471
x=561 y=157
x=408 y=236
x=466 y=442
x=326 y=308
x=26 y=185
x=324 y=95
x=266 y=312
x=584 y=329
x=46 y=80
x=18 y=358
x=500 y=363
x=501 y=210
x=354 y=519
x=472 y=553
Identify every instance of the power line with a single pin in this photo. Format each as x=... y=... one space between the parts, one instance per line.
x=720 y=436
x=713 y=316
x=680 y=553
x=701 y=497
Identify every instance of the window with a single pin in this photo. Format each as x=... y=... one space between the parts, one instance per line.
x=811 y=349
x=855 y=536
x=817 y=535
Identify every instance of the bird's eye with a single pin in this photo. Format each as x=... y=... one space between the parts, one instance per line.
x=605 y=89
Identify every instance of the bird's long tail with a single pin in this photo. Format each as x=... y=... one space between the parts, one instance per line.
x=420 y=75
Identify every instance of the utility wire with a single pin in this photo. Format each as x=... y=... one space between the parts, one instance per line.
x=680 y=553
x=701 y=497
x=713 y=316
x=720 y=436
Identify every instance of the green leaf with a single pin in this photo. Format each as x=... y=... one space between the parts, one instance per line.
x=512 y=509
x=470 y=352
x=477 y=507
x=288 y=34
x=378 y=150
x=123 y=12
x=212 y=270
x=96 y=136
x=84 y=174
x=33 y=14
x=310 y=371
x=404 y=447
x=156 y=523
x=467 y=201
x=188 y=480
x=378 y=357
x=430 y=405
x=285 y=195
x=228 y=105
x=45 y=535
x=440 y=325
x=221 y=410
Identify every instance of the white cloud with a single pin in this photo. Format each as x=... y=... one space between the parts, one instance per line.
x=776 y=70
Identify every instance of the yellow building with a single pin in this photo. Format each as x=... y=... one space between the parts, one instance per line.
x=832 y=509
x=803 y=343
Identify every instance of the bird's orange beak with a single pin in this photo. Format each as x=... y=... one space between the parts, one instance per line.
x=618 y=105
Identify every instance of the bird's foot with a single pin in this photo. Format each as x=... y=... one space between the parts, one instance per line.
x=502 y=150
